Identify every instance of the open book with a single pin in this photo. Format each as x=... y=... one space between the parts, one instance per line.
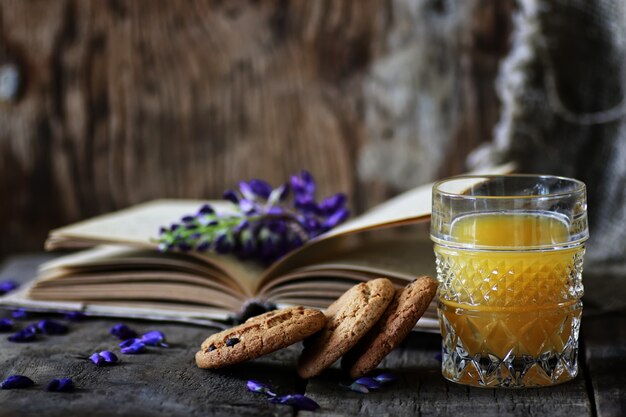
x=120 y=272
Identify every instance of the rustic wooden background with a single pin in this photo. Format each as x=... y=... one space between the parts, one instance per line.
x=104 y=104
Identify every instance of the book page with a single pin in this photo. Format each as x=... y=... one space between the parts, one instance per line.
x=138 y=226
x=409 y=207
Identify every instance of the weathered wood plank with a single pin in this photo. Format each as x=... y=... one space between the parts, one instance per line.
x=605 y=357
x=163 y=382
x=422 y=391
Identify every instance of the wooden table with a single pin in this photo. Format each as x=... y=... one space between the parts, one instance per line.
x=166 y=382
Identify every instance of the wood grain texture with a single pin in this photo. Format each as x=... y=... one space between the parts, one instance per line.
x=123 y=101
x=605 y=359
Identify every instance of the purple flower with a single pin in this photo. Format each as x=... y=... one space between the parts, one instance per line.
x=103 y=358
x=75 y=316
x=298 y=401
x=19 y=314
x=224 y=243
x=267 y=224
x=259 y=387
x=369 y=383
x=206 y=209
x=303 y=184
x=61 y=385
x=52 y=327
x=334 y=219
x=122 y=332
x=28 y=334
x=333 y=203
x=17 y=381
x=134 y=348
x=260 y=188
x=231 y=196
x=7 y=286
x=6 y=325
x=154 y=338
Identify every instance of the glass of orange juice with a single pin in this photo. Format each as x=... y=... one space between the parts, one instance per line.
x=509 y=253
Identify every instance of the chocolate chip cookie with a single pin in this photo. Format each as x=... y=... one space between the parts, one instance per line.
x=259 y=336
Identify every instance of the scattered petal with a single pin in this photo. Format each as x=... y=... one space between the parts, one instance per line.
x=260 y=388
x=129 y=342
x=109 y=357
x=17 y=381
x=135 y=348
x=61 y=385
x=385 y=378
x=122 y=332
x=20 y=314
x=97 y=359
x=359 y=388
x=298 y=401
x=154 y=338
x=8 y=286
x=25 y=335
x=75 y=316
x=6 y=325
x=52 y=327
x=104 y=358
x=369 y=383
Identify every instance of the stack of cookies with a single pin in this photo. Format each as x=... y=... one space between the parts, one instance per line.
x=363 y=325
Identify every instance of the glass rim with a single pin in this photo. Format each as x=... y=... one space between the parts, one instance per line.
x=580 y=187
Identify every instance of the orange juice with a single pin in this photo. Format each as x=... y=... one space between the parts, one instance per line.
x=510 y=306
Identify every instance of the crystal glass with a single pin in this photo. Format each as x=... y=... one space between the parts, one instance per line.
x=509 y=253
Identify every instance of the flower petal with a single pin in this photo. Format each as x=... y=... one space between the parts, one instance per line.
x=231 y=196
x=359 y=388
x=25 y=335
x=369 y=383
x=122 y=332
x=7 y=286
x=260 y=188
x=260 y=388
x=299 y=401
x=97 y=359
x=61 y=385
x=109 y=357
x=52 y=327
x=206 y=209
x=6 y=325
x=129 y=342
x=337 y=217
x=135 y=348
x=17 y=381
x=19 y=313
x=385 y=378
x=154 y=338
